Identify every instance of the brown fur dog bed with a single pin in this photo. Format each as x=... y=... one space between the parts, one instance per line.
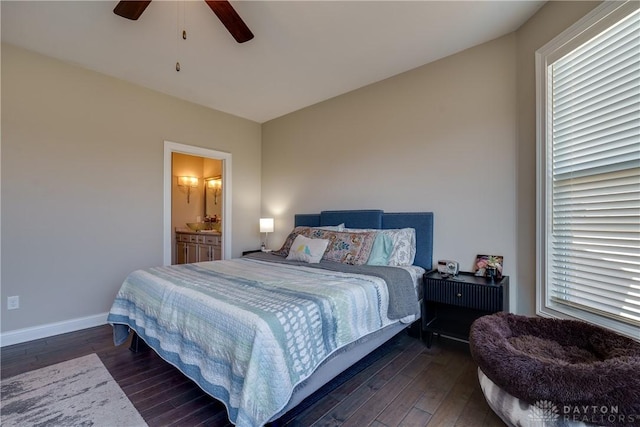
x=577 y=366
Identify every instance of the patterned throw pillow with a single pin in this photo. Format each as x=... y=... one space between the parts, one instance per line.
x=345 y=247
x=286 y=246
x=307 y=250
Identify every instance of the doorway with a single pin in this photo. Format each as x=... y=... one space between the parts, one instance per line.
x=168 y=232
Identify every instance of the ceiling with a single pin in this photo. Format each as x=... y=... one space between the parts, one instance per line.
x=303 y=52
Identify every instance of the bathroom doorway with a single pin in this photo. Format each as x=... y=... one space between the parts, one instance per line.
x=213 y=164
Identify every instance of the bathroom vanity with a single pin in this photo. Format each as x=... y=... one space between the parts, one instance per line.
x=197 y=246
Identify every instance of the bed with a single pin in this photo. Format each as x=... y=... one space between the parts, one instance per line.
x=262 y=332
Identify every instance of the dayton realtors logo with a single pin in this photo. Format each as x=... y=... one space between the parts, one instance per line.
x=544 y=411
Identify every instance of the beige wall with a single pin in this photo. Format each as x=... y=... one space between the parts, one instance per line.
x=438 y=138
x=82 y=183
x=455 y=137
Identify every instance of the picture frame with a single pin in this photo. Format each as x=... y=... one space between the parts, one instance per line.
x=489 y=266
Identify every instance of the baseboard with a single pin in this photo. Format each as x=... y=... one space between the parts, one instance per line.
x=29 y=334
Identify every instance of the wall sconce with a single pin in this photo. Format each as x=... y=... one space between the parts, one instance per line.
x=215 y=185
x=188 y=182
x=266 y=227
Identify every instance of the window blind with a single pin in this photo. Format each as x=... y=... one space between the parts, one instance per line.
x=593 y=245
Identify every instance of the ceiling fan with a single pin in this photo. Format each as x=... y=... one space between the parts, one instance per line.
x=132 y=9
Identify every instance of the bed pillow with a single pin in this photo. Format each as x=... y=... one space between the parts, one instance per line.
x=404 y=246
x=381 y=250
x=305 y=231
x=404 y=243
x=345 y=247
x=286 y=246
x=307 y=250
x=338 y=227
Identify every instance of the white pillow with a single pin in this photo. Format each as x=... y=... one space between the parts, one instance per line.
x=404 y=246
x=338 y=227
x=307 y=250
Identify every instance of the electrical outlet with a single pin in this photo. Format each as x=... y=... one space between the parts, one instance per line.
x=13 y=303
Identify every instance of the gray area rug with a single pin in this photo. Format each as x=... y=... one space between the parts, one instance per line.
x=79 y=392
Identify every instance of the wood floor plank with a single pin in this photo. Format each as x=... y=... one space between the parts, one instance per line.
x=359 y=396
x=440 y=382
x=414 y=418
x=351 y=403
x=162 y=387
x=148 y=398
x=450 y=409
x=384 y=398
x=405 y=402
x=141 y=379
x=492 y=419
x=418 y=364
x=201 y=415
x=378 y=402
x=314 y=412
x=183 y=412
x=359 y=379
x=406 y=357
x=154 y=408
x=475 y=411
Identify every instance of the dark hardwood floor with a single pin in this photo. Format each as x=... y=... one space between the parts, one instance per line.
x=403 y=384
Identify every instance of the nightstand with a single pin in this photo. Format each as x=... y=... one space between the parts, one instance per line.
x=250 y=251
x=451 y=304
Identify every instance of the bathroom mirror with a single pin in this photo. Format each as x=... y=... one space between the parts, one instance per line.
x=213 y=196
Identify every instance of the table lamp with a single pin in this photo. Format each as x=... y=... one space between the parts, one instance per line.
x=266 y=227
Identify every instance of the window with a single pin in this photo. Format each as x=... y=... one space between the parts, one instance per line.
x=588 y=194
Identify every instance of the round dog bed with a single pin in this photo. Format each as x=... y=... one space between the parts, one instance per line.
x=586 y=373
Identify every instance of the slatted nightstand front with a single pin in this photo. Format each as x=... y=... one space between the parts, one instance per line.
x=451 y=304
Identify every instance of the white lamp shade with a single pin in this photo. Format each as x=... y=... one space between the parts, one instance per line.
x=266 y=225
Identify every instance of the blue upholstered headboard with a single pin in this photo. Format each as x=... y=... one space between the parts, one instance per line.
x=421 y=221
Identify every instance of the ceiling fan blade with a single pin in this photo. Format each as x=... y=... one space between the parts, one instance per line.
x=230 y=18
x=131 y=9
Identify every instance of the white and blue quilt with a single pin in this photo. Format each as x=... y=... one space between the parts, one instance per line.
x=247 y=331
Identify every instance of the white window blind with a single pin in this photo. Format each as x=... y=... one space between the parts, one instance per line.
x=592 y=188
